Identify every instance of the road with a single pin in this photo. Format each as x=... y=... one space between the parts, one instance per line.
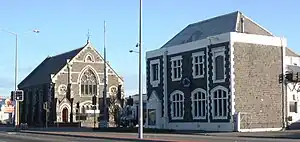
x=28 y=137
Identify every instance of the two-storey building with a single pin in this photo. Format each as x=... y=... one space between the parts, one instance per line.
x=219 y=74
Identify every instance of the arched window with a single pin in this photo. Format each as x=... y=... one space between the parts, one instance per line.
x=88 y=83
x=220 y=102
x=88 y=58
x=198 y=98
x=218 y=64
x=177 y=104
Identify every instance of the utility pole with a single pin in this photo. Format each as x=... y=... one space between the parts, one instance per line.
x=141 y=116
x=105 y=82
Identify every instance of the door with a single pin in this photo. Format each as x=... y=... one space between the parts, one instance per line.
x=65 y=115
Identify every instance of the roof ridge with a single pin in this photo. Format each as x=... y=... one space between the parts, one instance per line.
x=214 y=17
x=67 y=52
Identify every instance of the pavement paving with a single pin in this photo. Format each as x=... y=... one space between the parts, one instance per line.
x=109 y=136
x=87 y=135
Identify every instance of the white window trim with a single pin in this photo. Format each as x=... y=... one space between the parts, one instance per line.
x=213 y=106
x=201 y=53
x=156 y=82
x=198 y=90
x=172 y=66
x=219 y=51
x=171 y=96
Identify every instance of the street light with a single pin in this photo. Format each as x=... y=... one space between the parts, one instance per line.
x=141 y=118
x=133 y=51
x=16 y=68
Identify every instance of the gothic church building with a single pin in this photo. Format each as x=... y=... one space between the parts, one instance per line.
x=65 y=81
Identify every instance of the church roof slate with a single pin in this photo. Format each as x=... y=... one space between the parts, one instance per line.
x=51 y=65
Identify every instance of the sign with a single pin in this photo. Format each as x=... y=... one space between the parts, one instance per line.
x=8 y=107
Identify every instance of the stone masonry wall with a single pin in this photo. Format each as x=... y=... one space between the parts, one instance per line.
x=257 y=90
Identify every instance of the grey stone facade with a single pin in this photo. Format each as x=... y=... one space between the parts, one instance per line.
x=67 y=74
x=258 y=95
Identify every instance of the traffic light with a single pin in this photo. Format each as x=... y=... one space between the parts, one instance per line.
x=119 y=93
x=19 y=95
x=94 y=100
x=12 y=95
x=77 y=105
x=289 y=76
x=280 y=79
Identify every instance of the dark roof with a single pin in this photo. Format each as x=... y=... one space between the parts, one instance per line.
x=51 y=65
x=289 y=52
x=214 y=26
x=293 y=68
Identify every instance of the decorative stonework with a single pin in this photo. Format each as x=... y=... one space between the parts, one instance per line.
x=62 y=89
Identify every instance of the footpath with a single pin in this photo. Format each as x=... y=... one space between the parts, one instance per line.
x=174 y=136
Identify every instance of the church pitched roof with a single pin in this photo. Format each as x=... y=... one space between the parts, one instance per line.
x=51 y=65
x=221 y=24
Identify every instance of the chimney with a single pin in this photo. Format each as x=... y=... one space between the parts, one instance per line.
x=242 y=25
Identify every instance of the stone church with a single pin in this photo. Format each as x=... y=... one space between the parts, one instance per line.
x=68 y=82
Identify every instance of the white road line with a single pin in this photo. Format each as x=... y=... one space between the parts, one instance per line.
x=2 y=141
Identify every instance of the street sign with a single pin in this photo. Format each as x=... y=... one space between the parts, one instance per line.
x=19 y=94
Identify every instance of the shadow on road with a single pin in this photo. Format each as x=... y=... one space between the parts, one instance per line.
x=99 y=137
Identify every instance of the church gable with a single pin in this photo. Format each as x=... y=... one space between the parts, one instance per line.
x=89 y=55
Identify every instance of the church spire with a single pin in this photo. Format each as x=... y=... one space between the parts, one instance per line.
x=88 y=36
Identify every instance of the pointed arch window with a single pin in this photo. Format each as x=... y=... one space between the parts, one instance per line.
x=88 y=83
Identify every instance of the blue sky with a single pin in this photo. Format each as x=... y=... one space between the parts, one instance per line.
x=64 y=25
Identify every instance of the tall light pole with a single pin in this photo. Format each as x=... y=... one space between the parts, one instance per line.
x=105 y=113
x=16 y=70
x=141 y=119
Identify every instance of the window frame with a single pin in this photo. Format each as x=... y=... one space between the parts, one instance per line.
x=154 y=112
x=173 y=108
x=218 y=116
x=218 y=51
x=295 y=105
x=196 y=91
x=155 y=83
x=86 y=88
x=202 y=55
x=176 y=58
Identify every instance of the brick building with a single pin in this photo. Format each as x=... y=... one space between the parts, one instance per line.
x=65 y=80
x=219 y=74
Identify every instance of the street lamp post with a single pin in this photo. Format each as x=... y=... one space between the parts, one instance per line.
x=16 y=71
x=141 y=119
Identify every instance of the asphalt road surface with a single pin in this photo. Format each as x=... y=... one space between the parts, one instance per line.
x=26 y=137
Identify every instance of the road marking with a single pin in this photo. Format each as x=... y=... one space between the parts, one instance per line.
x=11 y=133
x=2 y=141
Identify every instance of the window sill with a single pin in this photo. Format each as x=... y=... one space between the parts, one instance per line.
x=176 y=79
x=177 y=118
x=219 y=117
x=198 y=118
x=198 y=76
x=219 y=81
